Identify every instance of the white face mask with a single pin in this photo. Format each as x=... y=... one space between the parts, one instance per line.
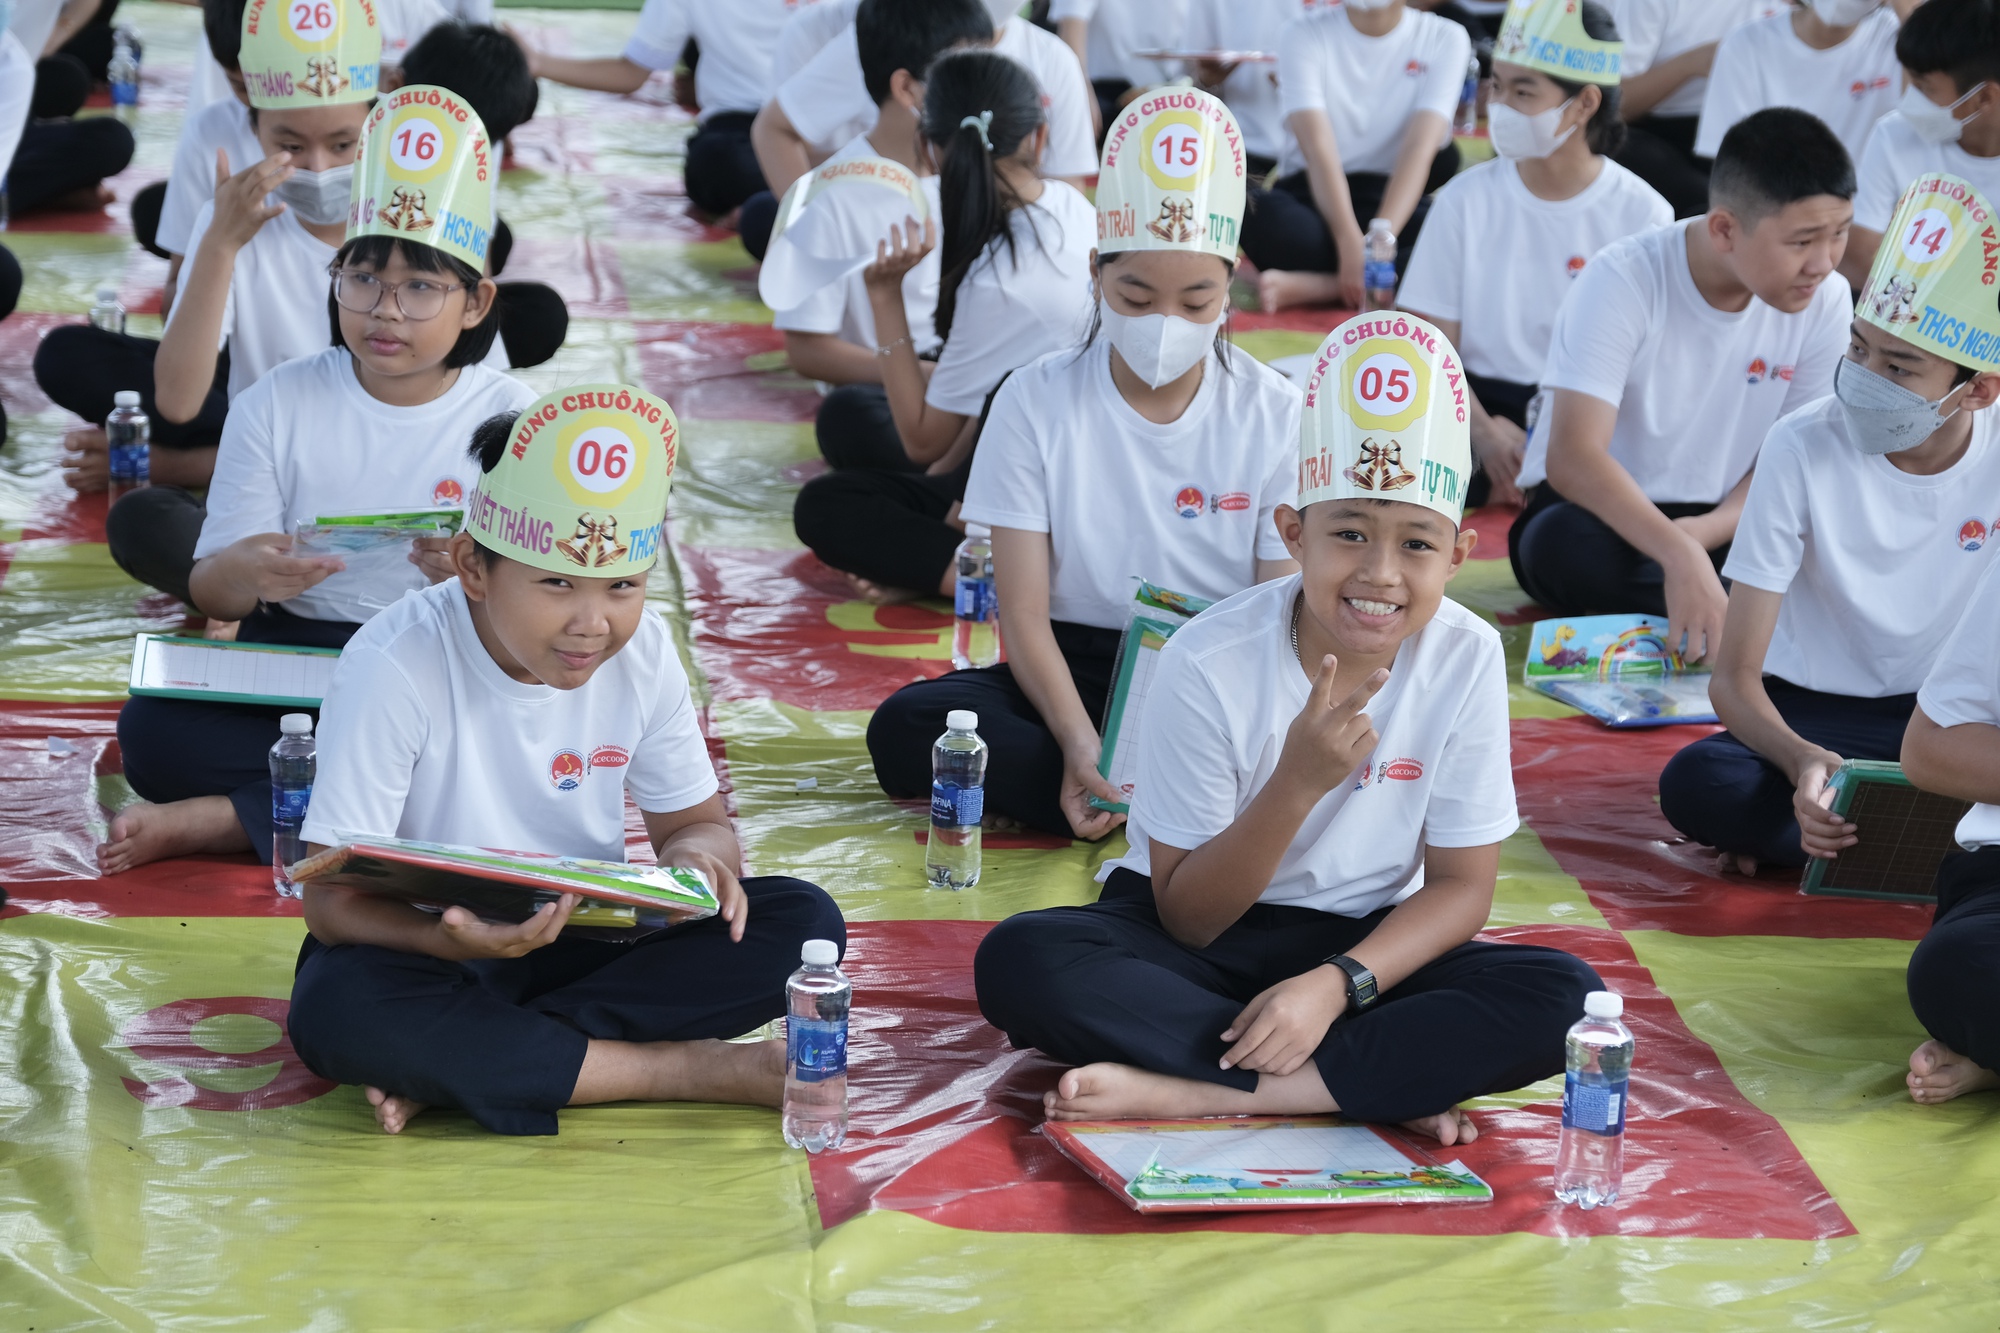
x=1844 y=13
x=1882 y=416
x=320 y=198
x=1934 y=123
x=1159 y=349
x=1516 y=134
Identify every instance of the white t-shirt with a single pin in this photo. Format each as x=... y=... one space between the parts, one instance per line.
x=1250 y=91
x=308 y=440
x=828 y=104
x=1187 y=505
x=1872 y=561
x=1658 y=30
x=1227 y=689
x=807 y=32
x=223 y=125
x=1964 y=688
x=1896 y=155
x=1507 y=309
x=404 y=22
x=33 y=22
x=1696 y=388
x=17 y=93
x=207 y=83
x=843 y=307
x=422 y=735
x=1120 y=28
x=1369 y=87
x=1011 y=310
x=1762 y=64
x=276 y=308
x=737 y=39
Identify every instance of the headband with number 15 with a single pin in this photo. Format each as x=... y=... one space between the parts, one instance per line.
x=1173 y=176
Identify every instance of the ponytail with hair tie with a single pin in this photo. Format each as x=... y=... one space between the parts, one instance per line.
x=1000 y=102
x=983 y=122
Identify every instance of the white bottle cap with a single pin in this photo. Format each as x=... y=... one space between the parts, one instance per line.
x=962 y=719
x=819 y=953
x=106 y=295
x=296 y=724
x=1604 y=1004
x=125 y=398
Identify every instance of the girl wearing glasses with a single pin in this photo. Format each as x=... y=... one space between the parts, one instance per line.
x=377 y=423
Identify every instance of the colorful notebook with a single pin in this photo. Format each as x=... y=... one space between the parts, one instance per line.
x=1618 y=669
x=621 y=901
x=282 y=675
x=1903 y=833
x=1167 y=1166
x=1156 y=613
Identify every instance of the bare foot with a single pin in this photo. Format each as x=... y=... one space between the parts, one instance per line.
x=1282 y=289
x=1938 y=1074
x=1730 y=863
x=147 y=832
x=876 y=594
x=1123 y=1092
x=392 y=1112
x=1447 y=1127
x=994 y=822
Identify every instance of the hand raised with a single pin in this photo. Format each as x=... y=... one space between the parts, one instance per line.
x=1328 y=739
x=240 y=210
x=902 y=251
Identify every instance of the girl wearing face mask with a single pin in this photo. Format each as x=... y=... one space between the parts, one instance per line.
x=1868 y=526
x=1014 y=283
x=1150 y=452
x=1947 y=118
x=1834 y=58
x=1549 y=202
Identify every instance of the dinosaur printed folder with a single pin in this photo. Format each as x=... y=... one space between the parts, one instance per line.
x=1618 y=669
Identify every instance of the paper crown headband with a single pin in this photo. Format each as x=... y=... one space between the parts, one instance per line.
x=1173 y=176
x=811 y=249
x=425 y=174
x=582 y=485
x=1548 y=35
x=1386 y=418
x=310 y=52
x=1936 y=279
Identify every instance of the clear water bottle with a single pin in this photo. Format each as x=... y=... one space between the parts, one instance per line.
x=1378 y=267
x=975 y=633
x=106 y=312
x=292 y=763
x=958 y=800
x=817 y=998
x=1467 y=119
x=123 y=72
x=1590 y=1163
x=129 y=436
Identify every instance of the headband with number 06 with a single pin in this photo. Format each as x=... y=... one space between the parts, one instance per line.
x=299 y=53
x=426 y=174
x=582 y=485
x=1173 y=176
x=1936 y=279
x=812 y=247
x=1386 y=417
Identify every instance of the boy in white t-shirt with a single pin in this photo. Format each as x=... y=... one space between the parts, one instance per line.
x=1834 y=58
x=1858 y=500
x=1671 y=357
x=1323 y=790
x=1948 y=118
x=517 y=705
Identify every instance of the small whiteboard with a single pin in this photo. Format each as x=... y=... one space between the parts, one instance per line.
x=281 y=675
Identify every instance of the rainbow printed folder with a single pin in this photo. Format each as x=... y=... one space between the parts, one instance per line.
x=1618 y=669
x=1156 y=613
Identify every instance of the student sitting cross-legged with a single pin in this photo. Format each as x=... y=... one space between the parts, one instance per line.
x=1323 y=788
x=1864 y=532
x=440 y=725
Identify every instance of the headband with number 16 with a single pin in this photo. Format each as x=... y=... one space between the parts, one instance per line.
x=1173 y=176
x=1936 y=279
x=426 y=174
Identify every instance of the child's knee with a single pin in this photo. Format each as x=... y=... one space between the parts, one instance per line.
x=900 y=734
x=798 y=909
x=1018 y=970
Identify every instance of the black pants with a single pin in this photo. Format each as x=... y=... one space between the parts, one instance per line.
x=1500 y=398
x=855 y=429
x=722 y=170
x=179 y=749
x=754 y=223
x=10 y=296
x=1107 y=92
x=93 y=44
x=81 y=368
x=1954 y=977
x=1107 y=981
x=1570 y=561
x=1722 y=793
x=146 y=208
x=62 y=86
x=1025 y=766
x=1282 y=228
x=1660 y=151
x=504 y=1039
x=57 y=157
x=152 y=535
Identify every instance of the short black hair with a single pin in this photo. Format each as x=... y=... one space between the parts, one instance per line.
x=1956 y=37
x=1605 y=131
x=222 y=21
x=481 y=64
x=374 y=252
x=910 y=34
x=489 y=439
x=1776 y=157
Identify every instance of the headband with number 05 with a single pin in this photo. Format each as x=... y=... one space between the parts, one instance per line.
x=299 y=53
x=1173 y=176
x=1386 y=417
x=1936 y=279
x=426 y=174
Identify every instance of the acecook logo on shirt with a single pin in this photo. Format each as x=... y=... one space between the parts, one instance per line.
x=1760 y=370
x=1860 y=88
x=1416 y=69
x=1194 y=501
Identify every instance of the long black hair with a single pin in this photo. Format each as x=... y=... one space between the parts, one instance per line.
x=978 y=109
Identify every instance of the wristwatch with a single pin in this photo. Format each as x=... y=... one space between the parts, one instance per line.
x=1361 y=992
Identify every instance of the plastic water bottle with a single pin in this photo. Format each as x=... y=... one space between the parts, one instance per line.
x=1467 y=119
x=958 y=799
x=106 y=312
x=975 y=633
x=1378 y=267
x=129 y=435
x=817 y=998
x=292 y=763
x=1590 y=1163
x=123 y=72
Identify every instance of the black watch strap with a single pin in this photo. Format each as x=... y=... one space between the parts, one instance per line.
x=1361 y=990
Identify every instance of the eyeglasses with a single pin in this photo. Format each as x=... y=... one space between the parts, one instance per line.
x=361 y=291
